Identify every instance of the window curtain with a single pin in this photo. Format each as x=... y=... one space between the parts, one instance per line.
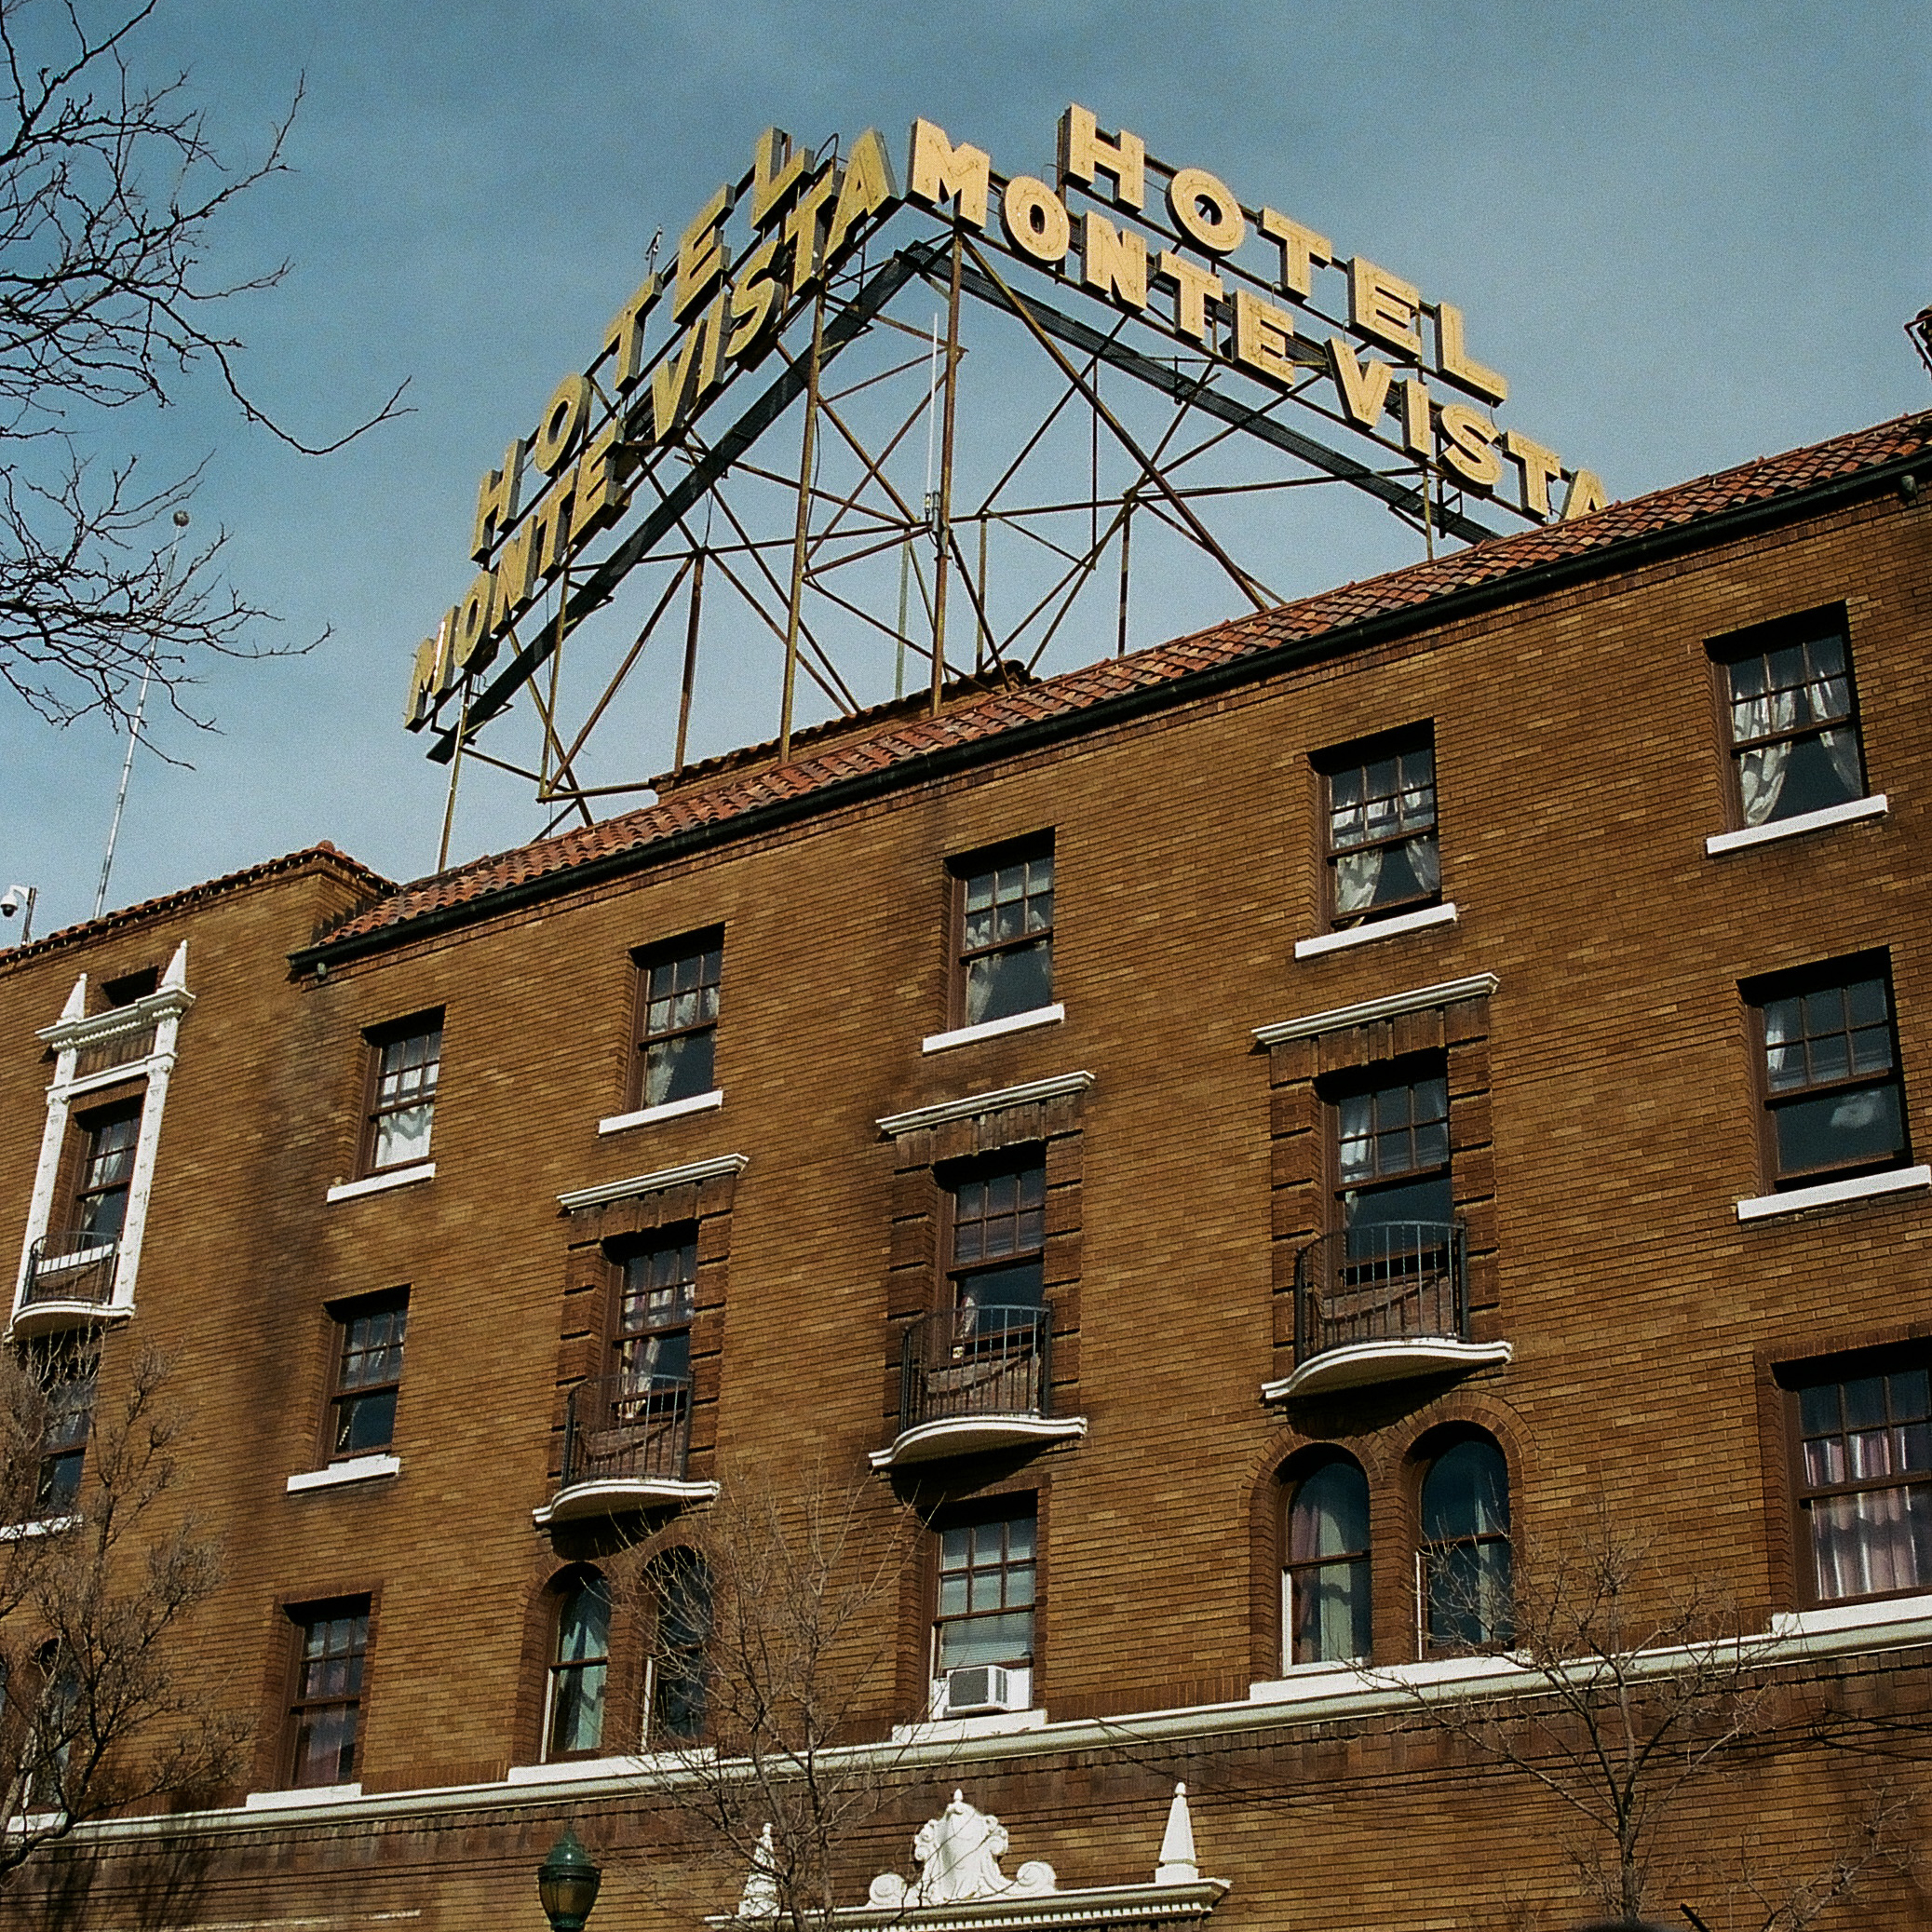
x=1358 y=874
x=1328 y=1608
x=1872 y=1542
x=1760 y=769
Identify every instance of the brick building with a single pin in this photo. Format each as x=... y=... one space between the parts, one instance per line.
x=1243 y=1138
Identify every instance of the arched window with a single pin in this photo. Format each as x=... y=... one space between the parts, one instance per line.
x=580 y=1665
x=1325 y=1578
x=1465 y=1580
x=679 y=1590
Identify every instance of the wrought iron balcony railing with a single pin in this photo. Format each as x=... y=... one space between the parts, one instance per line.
x=972 y=1361
x=628 y=1429
x=1401 y=1282
x=70 y=1265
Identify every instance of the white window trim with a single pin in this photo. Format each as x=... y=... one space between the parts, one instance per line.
x=1422 y=917
x=601 y=1196
x=992 y=1029
x=1446 y=992
x=382 y=1184
x=1828 y=1193
x=301 y=1795
x=1846 y=812
x=77 y=1029
x=666 y=1110
x=355 y=1468
x=46 y=1526
x=975 y=1105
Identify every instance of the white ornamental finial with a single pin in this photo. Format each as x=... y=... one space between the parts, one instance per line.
x=760 y=1899
x=1177 y=1864
x=76 y=1006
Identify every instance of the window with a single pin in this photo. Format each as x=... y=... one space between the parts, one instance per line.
x=1382 y=852
x=106 y=1171
x=1393 y=1201
x=657 y=1298
x=406 y=1060
x=64 y=1367
x=1793 y=718
x=324 y=1714
x=1829 y=1071
x=1862 y=1445
x=986 y=1593
x=1005 y=932
x=580 y=1664
x=678 y=995
x=999 y=1233
x=1465 y=1572
x=678 y=1588
x=130 y=987
x=368 y=1373
x=1325 y=1579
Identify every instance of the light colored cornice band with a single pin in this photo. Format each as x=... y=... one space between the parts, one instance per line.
x=975 y=1104
x=1418 y=999
x=712 y=1169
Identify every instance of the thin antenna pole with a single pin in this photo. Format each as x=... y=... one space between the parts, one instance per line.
x=943 y=522
x=147 y=673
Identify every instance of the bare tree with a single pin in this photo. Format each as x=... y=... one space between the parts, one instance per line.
x=771 y=1627
x=110 y=190
x=95 y=1588
x=1629 y=1689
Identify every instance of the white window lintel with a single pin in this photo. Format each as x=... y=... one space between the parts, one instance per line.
x=1445 y=993
x=975 y=1104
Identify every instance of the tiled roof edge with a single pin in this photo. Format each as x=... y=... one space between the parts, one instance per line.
x=1162 y=691
x=323 y=853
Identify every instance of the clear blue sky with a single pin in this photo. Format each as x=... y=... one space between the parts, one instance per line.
x=1689 y=235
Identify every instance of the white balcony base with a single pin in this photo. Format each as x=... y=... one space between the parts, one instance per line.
x=971 y=1435
x=1359 y=1364
x=49 y=1316
x=612 y=1495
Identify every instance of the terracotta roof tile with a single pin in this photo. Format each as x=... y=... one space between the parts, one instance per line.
x=901 y=740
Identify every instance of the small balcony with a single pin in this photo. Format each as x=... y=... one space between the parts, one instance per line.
x=625 y=1441
x=70 y=1281
x=972 y=1379
x=1382 y=1304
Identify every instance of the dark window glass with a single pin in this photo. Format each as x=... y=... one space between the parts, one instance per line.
x=333 y=1645
x=1392 y=1158
x=1006 y=941
x=678 y=1584
x=1794 y=732
x=368 y=1371
x=1381 y=851
x=656 y=1300
x=1326 y=1594
x=1830 y=1073
x=999 y=1233
x=64 y=1369
x=407 y=1065
x=679 y=992
x=1466 y=1597
x=130 y=987
x=580 y=1668
x=106 y=1171
x=1865 y=1482
x=986 y=1593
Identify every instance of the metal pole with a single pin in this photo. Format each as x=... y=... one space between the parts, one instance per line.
x=1127 y=537
x=801 y=528
x=443 y=851
x=982 y=637
x=147 y=673
x=697 y=586
x=945 y=532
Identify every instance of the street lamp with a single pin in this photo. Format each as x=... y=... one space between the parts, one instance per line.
x=567 y=1883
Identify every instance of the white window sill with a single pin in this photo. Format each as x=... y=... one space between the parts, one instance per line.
x=382 y=1184
x=355 y=1468
x=301 y=1795
x=994 y=1724
x=1417 y=920
x=670 y=1110
x=1829 y=1619
x=992 y=1029
x=47 y=1526
x=582 y=1770
x=1828 y=1193
x=1848 y=813
x=25 y=1824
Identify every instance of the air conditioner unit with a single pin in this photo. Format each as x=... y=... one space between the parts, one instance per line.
x=974 y=1689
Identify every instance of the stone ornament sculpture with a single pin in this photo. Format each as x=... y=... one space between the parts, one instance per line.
x=959 y=1854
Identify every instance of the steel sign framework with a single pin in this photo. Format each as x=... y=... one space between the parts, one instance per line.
x=772 y=440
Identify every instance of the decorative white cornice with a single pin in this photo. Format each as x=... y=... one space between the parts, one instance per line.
x=715 y=1168
x=78 y=1028
x=976 y=1104
x=1445 y=993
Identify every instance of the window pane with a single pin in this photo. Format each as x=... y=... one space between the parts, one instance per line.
x=1331 y=1513
x=1467 y=1492
x=364 y=1423
x=1007 y=1639
x=1838 y=1130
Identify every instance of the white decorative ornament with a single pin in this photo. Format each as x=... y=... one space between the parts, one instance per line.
x=959 y=1854
x=759 y=1897
x=1177 y=1864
